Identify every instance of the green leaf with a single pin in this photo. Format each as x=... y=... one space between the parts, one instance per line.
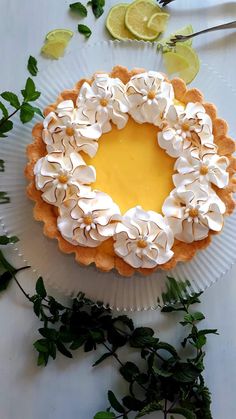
x=40 y=288
x=114 y=402
x=26 y=113
x=142 y=336
x=78 y=342
x=29 y=93
x=161 y=372
x=5 y=279
x=79 y=8
x=41 y=345
x=49 y=333
x=37 y=306
x=194 y=317
x=207 y=332
x=42 y=359
x=5 y=126
x=32 y=66
x=4 y=198
x=184 y=412
x=2 y=165
x=97 y=7
x=84 y=30
x=4 y=110
x=149 y=408
x=125 y=320
x=6 y=240
x=129 y=371
x=167 y=347
x=185 y=372
x=64 y=351
x=5 y=264
x=102 y=358
x=97 y=336
x=11 y=98
x=104 y=415
x=132 y=403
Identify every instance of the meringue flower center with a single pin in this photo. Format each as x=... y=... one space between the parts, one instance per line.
x=132 y=168
x=88 y=219
x=204 y=170
x=103 y=102
x=142 y=244
x=185 y=127
x=151 y=94
x=193 y=212
x=63 y=178
x=70 y=131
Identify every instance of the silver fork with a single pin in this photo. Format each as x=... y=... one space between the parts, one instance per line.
x=183 y=38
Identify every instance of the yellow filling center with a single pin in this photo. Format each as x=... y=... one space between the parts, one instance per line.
x=132 y=168
x=88 y=219
x=193 y=212
x=142 y=244
x=185 y=127
x=204 y=170
x=104 y=102
x=151 y=94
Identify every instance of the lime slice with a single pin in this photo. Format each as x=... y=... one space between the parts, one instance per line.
x=59 y=35
x=158 y=22
x=115 y=22
x=137 y=16
x=186 y=30
x=174 y=62
x=191 y=57
x=54 y=49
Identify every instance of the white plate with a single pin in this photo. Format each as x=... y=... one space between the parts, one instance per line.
x=60 y=270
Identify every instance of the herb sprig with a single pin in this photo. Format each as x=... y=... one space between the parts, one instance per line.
x=160 y=378
x=22 y=105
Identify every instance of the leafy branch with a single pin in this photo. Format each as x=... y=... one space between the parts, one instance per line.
x=163 y=379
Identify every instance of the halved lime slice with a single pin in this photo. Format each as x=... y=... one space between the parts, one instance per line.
x=54 y=49
x=174 y=62
x=59 y=35
x=158 y=22
x=137 y=16
x=115 y=22
x=186 y=30
x=190 y=55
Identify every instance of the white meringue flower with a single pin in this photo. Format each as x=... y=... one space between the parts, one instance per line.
x=181 y=124
x=192 y=211
x=59 y=177
x=102 y=102
x=149 y=96
x=88 y=221
x=143 y=239
x=63 y=133
x=204 y=166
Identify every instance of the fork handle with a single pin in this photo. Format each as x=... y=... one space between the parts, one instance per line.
x=215 y=28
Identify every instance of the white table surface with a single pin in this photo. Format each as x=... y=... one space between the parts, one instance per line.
x=72 y=389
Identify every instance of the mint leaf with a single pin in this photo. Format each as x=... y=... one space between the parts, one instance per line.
x=5 y=126
x=26 y=113
x=97 y=7
x=11 y=98
x=40 y=289
x=4 y=110
x=2 y=165
x=29 y=93
x=184 y=412
x=6 y=240
x=151 y=407
x=4 y=198
x=32 y=66
x=114 y=402
x=79 y=8
x=104 y=415
x=84 y=30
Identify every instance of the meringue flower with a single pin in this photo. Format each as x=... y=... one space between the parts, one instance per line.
x=102 y=102
x=88 y=221
x=149 y=96
x=192 y=211
x=204 y=166
x=62 y=132
x=59 y=177
x=184 y=127
x=143 y=239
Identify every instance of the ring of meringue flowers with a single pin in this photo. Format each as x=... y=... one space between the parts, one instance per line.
x=87 y=217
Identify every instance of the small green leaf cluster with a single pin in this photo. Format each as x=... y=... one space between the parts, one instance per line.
x=79 y=9
x=27 y=111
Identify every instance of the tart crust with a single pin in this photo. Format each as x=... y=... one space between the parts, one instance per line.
x=103 y=256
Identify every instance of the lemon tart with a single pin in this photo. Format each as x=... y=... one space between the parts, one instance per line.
x=131 y=171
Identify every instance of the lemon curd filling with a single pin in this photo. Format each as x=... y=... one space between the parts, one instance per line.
x=132 y=168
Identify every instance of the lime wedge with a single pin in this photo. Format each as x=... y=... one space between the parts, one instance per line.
x=186 y=30
x=190 y=55
x=158 y=22
x=59 y=35
x=137 y=16
x=115 y=22
x=174 y=62
x=54 y=49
